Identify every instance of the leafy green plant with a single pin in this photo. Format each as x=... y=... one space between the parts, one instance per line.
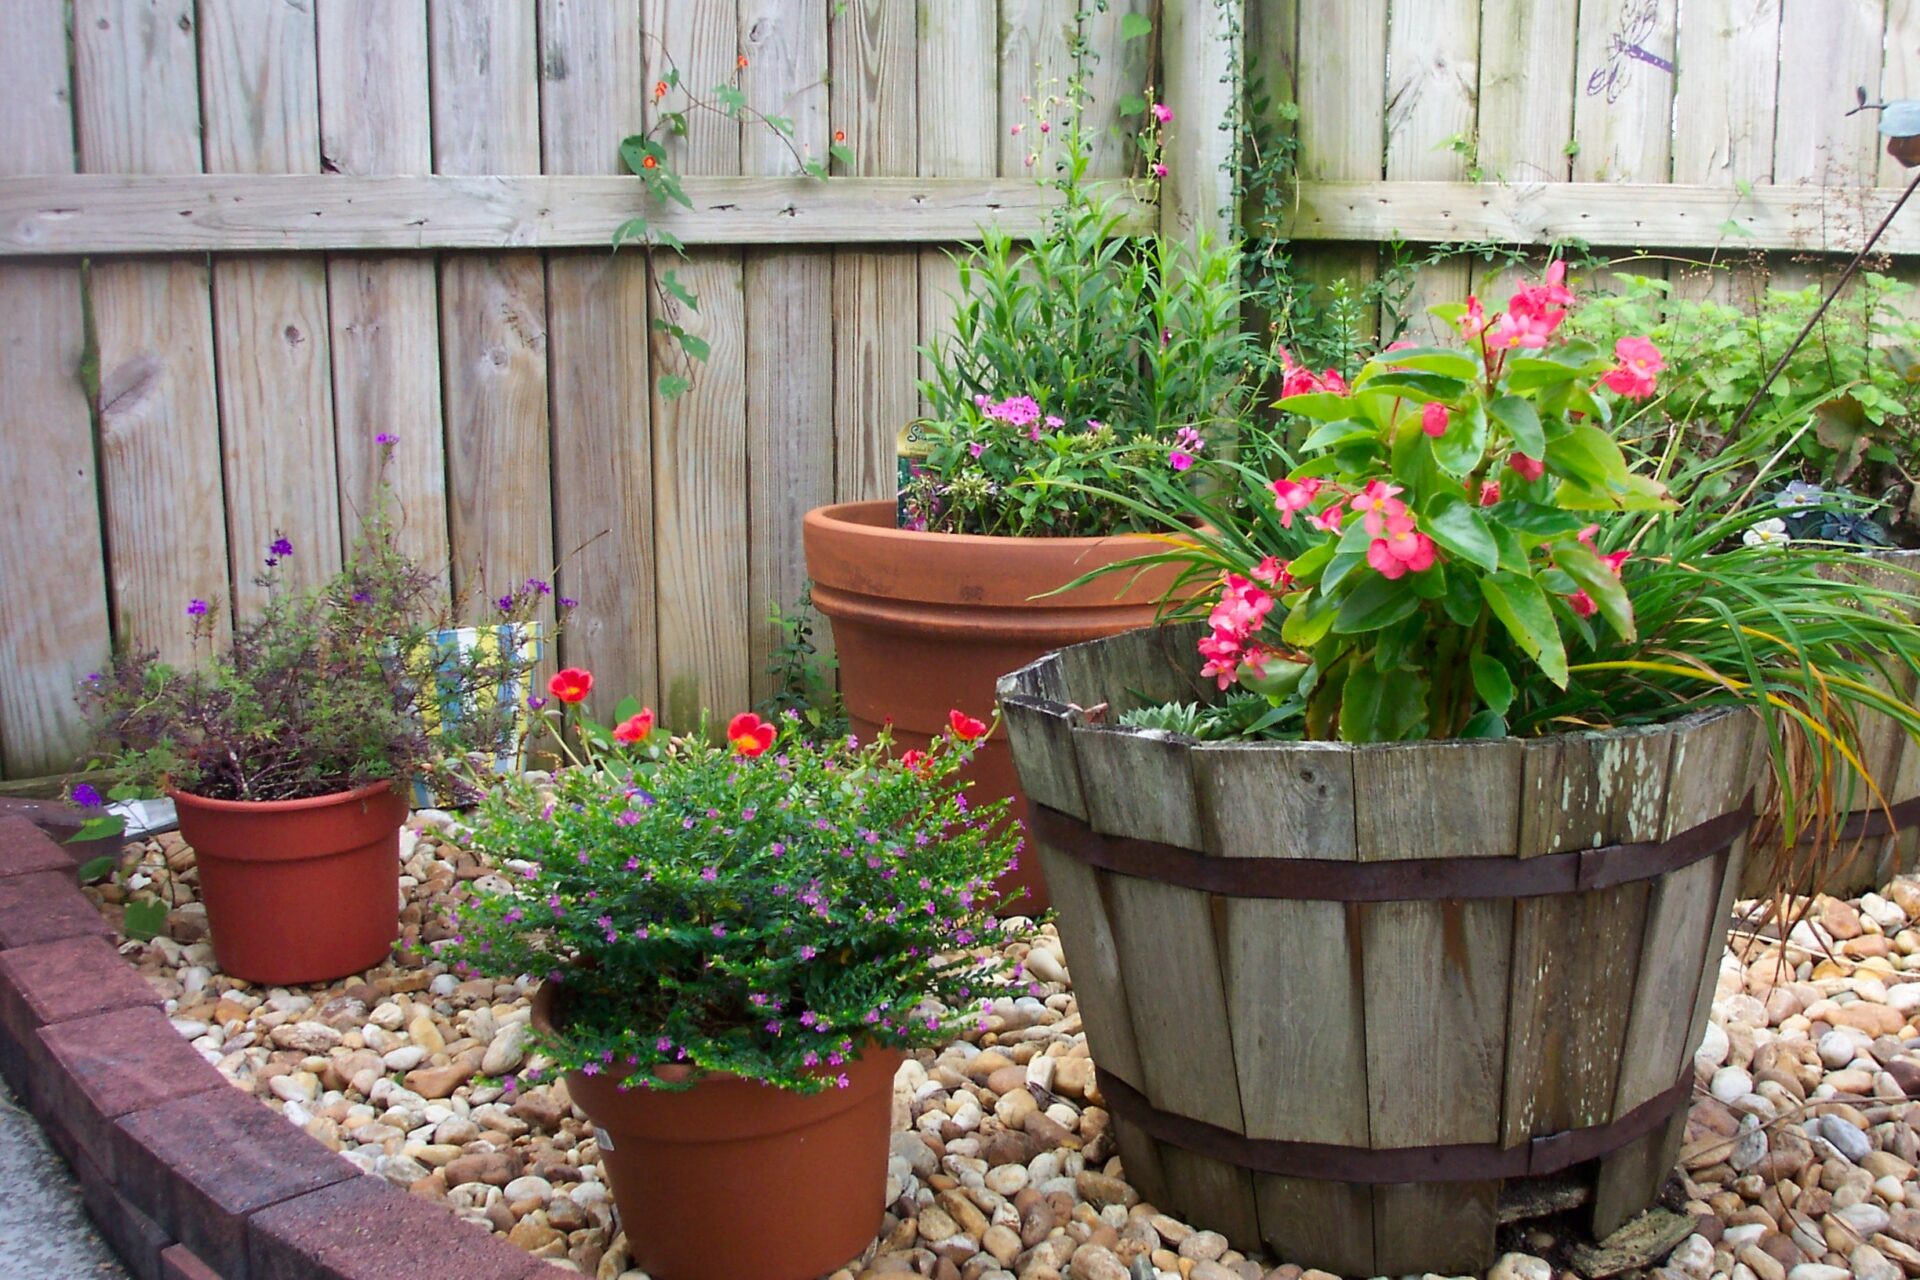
x=1074 y=355
x=1856 y=380
x=803 y=676
x=648 y=158
x=767 y=908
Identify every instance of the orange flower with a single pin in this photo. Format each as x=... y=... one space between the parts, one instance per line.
x=749 y=734
x=648 y=162
x=570 y=684
x=659 y=90
x=635 y=728
x=965 y=727
x=839 y=135
x=743 y=62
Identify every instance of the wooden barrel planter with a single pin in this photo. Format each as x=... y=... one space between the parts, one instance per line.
x=1880 y=841
x=1339 y=995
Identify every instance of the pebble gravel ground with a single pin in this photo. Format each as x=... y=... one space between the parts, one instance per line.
x=1799 y=1163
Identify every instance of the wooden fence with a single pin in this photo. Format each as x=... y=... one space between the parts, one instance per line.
x=239 y=238
x=243 y=237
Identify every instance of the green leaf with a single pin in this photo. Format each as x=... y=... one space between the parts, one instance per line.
x=670 y=240
x=672 y=387
x=144 y=919
x=1534 y=518
x=1589 y=457
x=841 y=152
x=1530 y=373
x=1462 y=601
x=103 y=827
x=626 y=708
x=1383 y=708
x=1522 y=606
x=1454 y=364
x=95 y=868
x=694 y=345
x=1462 y=448
x=671 y=283
x=1321 y=406
x=631 y=229
x=1132 y=104
x=1342 y=564
x=1135 y=26
x=1331 y=434
x=1599 y=582
x=1639 y=493
x=1452 y=522
x=1306 y=566
x=1417 y=387
x=1492 y=682
x=1308 y=624
x=1377 y=602
x=1521 y=423
x=1485 y=724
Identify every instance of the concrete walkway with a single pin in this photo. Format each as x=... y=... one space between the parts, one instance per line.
x=44 y=1232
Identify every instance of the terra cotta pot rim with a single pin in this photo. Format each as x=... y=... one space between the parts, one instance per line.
x=177 y=794
x=843 y=513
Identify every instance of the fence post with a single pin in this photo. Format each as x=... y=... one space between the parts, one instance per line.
x=1201 y=48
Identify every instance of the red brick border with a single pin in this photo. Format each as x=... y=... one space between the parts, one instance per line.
x=187 y=1179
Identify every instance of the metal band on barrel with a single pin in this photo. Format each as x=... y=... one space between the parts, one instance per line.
x=1397 y=880
x=1456 y=1162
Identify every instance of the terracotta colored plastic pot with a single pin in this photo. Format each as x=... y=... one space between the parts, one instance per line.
x=734 y=1179
x=927 y=622
x=298 y=890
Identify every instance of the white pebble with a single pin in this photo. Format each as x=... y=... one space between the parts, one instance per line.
x=1730 y=1084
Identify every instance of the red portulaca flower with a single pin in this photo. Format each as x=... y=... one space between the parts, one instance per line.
x=749 y=735
x=915 y=761
x=571 y=684
x=965 y=727
x=635 y=728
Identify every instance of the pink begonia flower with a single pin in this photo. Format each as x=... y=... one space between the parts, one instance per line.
x=1405 y=344
x=1582 y=604
x=1433 y=419
x=1402 y=550
x=1273 y=572
x=1489 y=492
x=1327 y=521
x=1633 y=376
x=1299 y=380
x=1528 y=468
x=1474 y=322
x=1376 y=503
x=1290 y=496
x=1241 y=609
x=1533 y=313
x=1163 y=113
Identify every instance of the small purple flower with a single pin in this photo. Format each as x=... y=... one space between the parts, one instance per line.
x=709 y=875
x=196 y=608
x=535 y=702
x=386 y=437
x=538 y=587
x=505 y=602
x=86 y=797
x=568 y=602
x=361 y=597
x=280 y=547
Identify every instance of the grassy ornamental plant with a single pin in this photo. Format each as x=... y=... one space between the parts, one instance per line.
x=324 y=690
x=1465 y=549
x=766 y=907
x=1075 y=358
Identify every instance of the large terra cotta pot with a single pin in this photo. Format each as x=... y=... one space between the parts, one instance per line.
x=924 y=623
x=298 y=890
x=732 y=1178
x=1347 y=1000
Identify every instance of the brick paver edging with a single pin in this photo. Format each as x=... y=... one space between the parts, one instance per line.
x=187 y=1177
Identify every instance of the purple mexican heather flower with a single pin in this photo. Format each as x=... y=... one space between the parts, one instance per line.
x=361 y=597
x=280 y=547
x=538 y=587
x=86 y=797
x=196 y=608
x=568 y=602
x=506 y=603
x=386 y=437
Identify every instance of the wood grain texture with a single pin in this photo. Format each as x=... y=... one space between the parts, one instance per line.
x=1340 y=81
x=790 y=328
x=1526 y=72
x=52 y=638
x=1401 y=811
x=1291 y=800
x=598 y=360
x=876 y=296
x=493 y=321
x=1622 y=105
x=384 y=326
x=1433 y=74
x=138 y=111
x=958 y=139
x=113 y=215
x=701 y=524
x=1827 y=47
x=1036 y=59
x=1729 y=55
x=1114 y=69
x=1200 y=52
x=260 y=107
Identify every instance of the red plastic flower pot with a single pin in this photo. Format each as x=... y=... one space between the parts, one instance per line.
x=298 y=890
x=733 y=1179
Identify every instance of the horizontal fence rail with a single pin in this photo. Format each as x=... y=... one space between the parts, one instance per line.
x=116 y=214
